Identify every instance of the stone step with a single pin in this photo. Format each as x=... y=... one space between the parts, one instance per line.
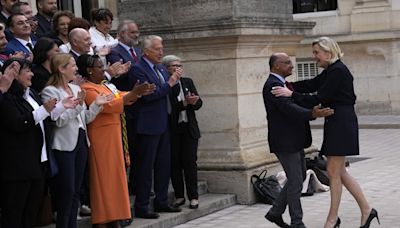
x=208 y=203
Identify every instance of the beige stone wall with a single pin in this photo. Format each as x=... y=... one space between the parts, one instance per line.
x=368 y=33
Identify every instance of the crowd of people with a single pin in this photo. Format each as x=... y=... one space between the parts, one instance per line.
x=96 y=118
x=81 y=109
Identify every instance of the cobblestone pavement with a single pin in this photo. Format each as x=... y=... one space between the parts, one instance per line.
x=378 y=175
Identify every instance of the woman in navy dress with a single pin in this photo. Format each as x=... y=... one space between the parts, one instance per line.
x=334 y=88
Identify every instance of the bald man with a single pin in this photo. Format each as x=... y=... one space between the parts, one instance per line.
x=79 y=39
x=286 y=139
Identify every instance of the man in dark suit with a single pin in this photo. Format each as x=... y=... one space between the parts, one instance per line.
x=126 y=50
x=286 y=139
x=6 y=6
x=152 y=143
x=21 y=30
x=46 y=9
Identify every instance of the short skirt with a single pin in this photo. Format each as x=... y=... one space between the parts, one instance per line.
x=341 y=132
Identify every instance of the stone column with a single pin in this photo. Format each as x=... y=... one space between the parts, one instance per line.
x=225 y=45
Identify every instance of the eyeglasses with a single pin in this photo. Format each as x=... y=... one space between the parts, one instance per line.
x=176 y=65
x=286 y=62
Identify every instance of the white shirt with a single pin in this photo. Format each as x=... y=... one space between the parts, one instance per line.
x=282 y=79
x=128 y=49
x=99 y=40
x=66 y=48
x=181 y=97
x=39 y=114
x=24 y=42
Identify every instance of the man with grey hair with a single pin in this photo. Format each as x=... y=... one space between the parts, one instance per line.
x=126 y=50
x=80 y=42
x=150 y=117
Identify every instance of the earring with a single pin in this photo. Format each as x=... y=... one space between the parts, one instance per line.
x=90 y=72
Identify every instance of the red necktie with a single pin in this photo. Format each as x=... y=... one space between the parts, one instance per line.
x=135 y=58
x=289 y=85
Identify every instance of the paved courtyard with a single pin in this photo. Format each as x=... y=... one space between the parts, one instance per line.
x=378 y=174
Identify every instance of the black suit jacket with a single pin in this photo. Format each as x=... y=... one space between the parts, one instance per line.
x=286 y=120
x=177 y=107
x=22 y=140
x=334 y=86
x=3 y=19
x=44 y=26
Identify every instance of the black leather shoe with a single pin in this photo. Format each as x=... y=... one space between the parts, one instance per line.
x=167 y=209
x=179 y=203
x=278 y=220
x=146 y=215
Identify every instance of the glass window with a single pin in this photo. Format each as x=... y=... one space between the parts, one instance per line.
x=306 y=69
x=306 y=6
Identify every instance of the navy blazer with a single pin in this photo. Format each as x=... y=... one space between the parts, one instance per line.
x=149 y=113
x=117 y=53
x=14 y=45
x=286 y=120
x=177 y=107
x=22 y=139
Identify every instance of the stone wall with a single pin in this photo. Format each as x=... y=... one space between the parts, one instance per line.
x=368 y=34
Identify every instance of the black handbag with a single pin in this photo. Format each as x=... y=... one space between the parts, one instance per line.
x=267 y=188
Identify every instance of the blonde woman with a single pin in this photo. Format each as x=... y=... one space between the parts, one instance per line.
x=70 y=142
x=334 y=87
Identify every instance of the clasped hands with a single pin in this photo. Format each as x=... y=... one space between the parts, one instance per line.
x=191 y=98
x=317 y=111
x=70 y=102
x=139 y=90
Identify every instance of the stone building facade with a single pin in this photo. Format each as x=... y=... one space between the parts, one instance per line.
x=226 y=44
x=368 y=32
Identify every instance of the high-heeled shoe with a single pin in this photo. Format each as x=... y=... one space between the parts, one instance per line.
x=337 y=224
x=371 y=216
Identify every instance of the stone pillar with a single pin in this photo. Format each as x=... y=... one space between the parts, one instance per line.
x=225 y=45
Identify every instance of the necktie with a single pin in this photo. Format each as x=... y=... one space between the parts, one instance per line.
x=289 y=85
x=29 y=45
x=162 y=81
x=135 y=58
x=160 y=78
x=125 y=140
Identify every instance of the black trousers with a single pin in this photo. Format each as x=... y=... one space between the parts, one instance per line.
x=294 y=166
x=68 y=181
x=20 y=202
x=152 y=154
x=183 y=162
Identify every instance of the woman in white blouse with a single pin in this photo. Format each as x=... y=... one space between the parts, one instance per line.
x=70 y=142
x=99 y=33
x=25 y=132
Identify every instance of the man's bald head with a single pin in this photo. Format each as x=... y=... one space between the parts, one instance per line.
x=79 y=39
x=281 y=64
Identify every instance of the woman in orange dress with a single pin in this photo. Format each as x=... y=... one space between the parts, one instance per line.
x=108 y=184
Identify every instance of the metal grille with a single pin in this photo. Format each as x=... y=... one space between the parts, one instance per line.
x=306 y=70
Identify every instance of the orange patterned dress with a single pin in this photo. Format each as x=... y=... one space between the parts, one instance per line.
x=109 y=195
